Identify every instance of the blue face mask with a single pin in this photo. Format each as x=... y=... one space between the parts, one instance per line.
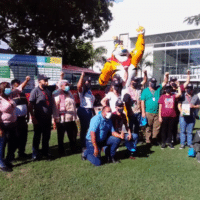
x=7 y=91
x=67 y=88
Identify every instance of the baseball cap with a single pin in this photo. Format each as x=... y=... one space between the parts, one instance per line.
x=189 y=86
x=119 y=103
x=135 y=79
x=153 y=80
x=42 y=77
x=168 y=85
x=173 y=79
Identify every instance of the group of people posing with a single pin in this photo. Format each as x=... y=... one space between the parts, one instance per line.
x=124 y=106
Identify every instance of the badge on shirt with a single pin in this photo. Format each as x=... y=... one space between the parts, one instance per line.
x=153 y=98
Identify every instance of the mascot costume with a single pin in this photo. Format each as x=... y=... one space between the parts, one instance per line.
x=121 y=59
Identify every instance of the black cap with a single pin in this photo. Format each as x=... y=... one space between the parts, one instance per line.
x=153 y=80
x=173 y=79
x=42 y=77
x=189 y=86
x=119 y=103
x=135 y=79
x=168 y=85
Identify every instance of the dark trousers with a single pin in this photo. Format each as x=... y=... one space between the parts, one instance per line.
x=43 y=128
x=167 y=129
x=10 y=134
x=85 y=115
x=175 y=130
x=109 y=147
x=22 y=130
x=71 y=129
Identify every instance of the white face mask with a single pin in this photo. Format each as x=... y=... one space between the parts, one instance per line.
x=108 y=115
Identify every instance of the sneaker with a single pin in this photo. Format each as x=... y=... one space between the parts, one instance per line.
x=83 y=157
x=182 y=146
x=113 y=160
x=163 y=146
x=190 y=146
x=171 y=146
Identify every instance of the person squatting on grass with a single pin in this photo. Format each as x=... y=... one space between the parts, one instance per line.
x=8 y=123
x=187 y=105
x=65 y=116
x=86 y=109
x=149 y=105
x=118 y=120
x=101 y=136
x=167 y=115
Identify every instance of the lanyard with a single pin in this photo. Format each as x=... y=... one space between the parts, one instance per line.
x=46 y=97
x=189 y=99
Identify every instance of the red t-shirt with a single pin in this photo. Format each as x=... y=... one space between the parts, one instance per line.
x=168 y=105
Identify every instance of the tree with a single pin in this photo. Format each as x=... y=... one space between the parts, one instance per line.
x=193 y=19
x=61 y=25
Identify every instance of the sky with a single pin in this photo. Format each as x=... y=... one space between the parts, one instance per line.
x=157 y=16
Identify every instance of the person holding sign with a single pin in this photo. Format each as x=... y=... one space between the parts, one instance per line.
x=187 y=105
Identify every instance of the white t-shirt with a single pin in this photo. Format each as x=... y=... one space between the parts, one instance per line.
x=87 y=100
x=112 y=100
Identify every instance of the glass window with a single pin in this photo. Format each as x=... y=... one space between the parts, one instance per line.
x=68 y=77
x=194 y=57
x=182 y=69
x=171 y=44
x=195 y=42
x=159 y=57
x=183 y=56
x=159 y=45
x=183 y=43
x=171 y=57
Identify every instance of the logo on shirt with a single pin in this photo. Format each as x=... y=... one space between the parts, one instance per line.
x=169 y=103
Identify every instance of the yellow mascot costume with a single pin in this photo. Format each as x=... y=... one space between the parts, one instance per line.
x=121 y=59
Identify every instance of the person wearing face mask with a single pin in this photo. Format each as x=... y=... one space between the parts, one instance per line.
x=86 y=109
x=133 y=103
x=112 y=96
x=98 y=138
x=64 y=113
x=41 y=106
x=118 y=120
x=187 y=105
x=149 y=107
x=8 y=125
x=167 y=115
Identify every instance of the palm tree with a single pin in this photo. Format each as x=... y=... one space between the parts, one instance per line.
x=144 y=62
x=193 y=19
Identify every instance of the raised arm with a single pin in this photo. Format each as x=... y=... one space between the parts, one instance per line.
x=104 y=101
x=145 y=78
x=166 y=78
x=23 y=85
x=188 y=79
x=80 y=82
x=125 y=77
x=179 y=90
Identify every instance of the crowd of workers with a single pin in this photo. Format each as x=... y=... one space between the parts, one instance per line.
x=164 y=106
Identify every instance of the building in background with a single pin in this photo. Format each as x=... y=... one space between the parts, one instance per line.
x=173 y=52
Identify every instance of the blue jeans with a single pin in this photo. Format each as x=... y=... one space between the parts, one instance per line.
x=134 y=123
x=186 y=126
x=85 y=115
x=131 y=144
x=109 y=146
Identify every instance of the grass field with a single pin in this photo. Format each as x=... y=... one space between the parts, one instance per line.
x=159 y=174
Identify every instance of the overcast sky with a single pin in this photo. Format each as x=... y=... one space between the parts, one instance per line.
x=157 y=16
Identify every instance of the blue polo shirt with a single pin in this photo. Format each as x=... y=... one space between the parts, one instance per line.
x=101 y=127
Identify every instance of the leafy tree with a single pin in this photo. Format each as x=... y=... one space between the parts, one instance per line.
x=61 y=25
x=193 y=19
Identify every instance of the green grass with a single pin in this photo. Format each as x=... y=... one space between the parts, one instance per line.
x=164 y=174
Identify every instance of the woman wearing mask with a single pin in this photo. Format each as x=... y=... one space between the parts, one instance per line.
x=112 y=96
x=167 y=115
x=187 y=105
x=64 y=113
x=7 y=125
x=85 y=111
